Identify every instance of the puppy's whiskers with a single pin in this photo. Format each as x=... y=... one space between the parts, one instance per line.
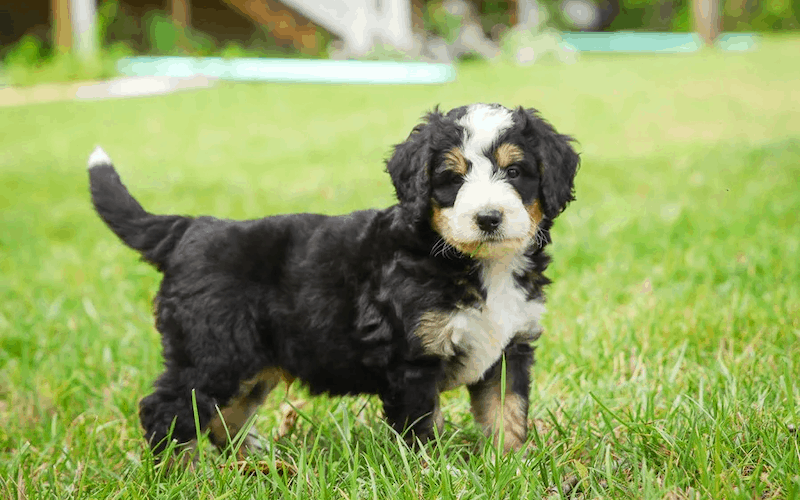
x=443 y=248
x=538 y=236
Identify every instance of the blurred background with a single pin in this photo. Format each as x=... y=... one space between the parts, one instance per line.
x=673 y=323
x=47 y=35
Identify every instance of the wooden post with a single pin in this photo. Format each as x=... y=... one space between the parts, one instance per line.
x=83 y=14
x=62 y=29
x=181 y=13
x=707 y=19
x=528 y=13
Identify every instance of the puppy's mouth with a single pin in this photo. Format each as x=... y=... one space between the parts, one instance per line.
x=491 y=247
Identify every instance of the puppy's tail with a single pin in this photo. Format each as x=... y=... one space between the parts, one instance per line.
x=154 y=236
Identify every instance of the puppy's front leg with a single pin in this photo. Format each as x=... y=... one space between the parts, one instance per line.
x=494 y=406
x=411 y=402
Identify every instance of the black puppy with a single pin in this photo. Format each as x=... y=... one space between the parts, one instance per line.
x=405 y=302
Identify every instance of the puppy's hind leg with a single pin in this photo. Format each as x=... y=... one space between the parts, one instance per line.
x=169 y=412
x=228 y=423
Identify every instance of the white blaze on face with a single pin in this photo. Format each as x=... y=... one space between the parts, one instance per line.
x=482 y=189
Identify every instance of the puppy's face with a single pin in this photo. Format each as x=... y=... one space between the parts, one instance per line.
x=485 y=188
x=486 y=176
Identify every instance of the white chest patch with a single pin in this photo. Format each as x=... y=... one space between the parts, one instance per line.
x=482 y=334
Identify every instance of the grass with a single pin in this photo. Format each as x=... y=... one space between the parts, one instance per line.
x=27 y=63
x=670 y=363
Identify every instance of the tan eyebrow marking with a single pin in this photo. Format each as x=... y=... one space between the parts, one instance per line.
x=455 y=161
x=507 y=154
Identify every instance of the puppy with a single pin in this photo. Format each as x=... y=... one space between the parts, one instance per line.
x=406 y=302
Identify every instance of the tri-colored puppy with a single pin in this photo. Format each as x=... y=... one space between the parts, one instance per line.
x=404 y=302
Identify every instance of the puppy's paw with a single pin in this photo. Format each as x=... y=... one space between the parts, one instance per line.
x=252 y=446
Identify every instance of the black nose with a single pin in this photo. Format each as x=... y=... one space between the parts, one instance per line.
x=489 y=220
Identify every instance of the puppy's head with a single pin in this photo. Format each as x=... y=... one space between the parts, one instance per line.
x=484 y=177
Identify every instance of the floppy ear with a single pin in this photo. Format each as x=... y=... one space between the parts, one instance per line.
x=409 y=168
x=558 y=162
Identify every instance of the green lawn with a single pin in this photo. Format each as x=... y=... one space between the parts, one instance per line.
x=671 y=360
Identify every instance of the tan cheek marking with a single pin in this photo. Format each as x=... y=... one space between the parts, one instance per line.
x=455 y=161
x=535 y=214
x=439 y=224
x=439 y=221
x=507 y=154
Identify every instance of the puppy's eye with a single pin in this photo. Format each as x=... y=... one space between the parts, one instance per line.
x=450 y=177
x=513 y=172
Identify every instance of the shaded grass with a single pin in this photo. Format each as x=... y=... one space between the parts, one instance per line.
x=671 y=356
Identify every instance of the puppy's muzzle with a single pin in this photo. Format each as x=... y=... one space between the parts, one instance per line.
x=489 y=221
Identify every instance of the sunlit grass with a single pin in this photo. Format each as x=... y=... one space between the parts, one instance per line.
x=670 y=363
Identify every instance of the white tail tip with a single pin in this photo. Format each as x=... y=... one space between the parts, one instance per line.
x=98 y=157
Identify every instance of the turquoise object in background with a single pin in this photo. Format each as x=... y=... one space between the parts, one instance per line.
x=639 y=41
x=290 y=70
x=393 y=72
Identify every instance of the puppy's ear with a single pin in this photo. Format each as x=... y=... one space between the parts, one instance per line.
x=558 y=162
x=409 y=168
